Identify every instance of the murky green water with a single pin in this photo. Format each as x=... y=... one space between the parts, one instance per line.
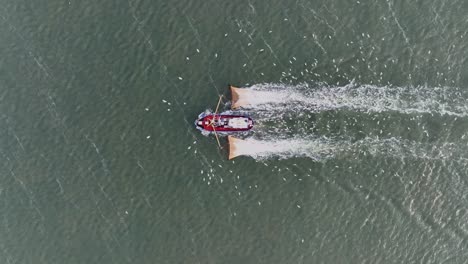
x=367 y=163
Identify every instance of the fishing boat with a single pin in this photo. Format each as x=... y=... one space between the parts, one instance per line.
x=225 y=123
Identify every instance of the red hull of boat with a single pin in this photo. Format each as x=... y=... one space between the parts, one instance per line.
x=225 y=123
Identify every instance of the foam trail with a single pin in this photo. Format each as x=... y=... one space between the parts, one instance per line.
x=367 y=98
x=325 y=148
x=316 y=149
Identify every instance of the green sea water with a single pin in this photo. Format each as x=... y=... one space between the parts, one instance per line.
x=358 y=155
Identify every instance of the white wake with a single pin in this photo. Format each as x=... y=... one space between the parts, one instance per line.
x=366 y=98
x=323 y=148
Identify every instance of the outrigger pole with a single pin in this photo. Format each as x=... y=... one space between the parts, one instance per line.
x=213 y=120
x=216 y=136
x=219 y=102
